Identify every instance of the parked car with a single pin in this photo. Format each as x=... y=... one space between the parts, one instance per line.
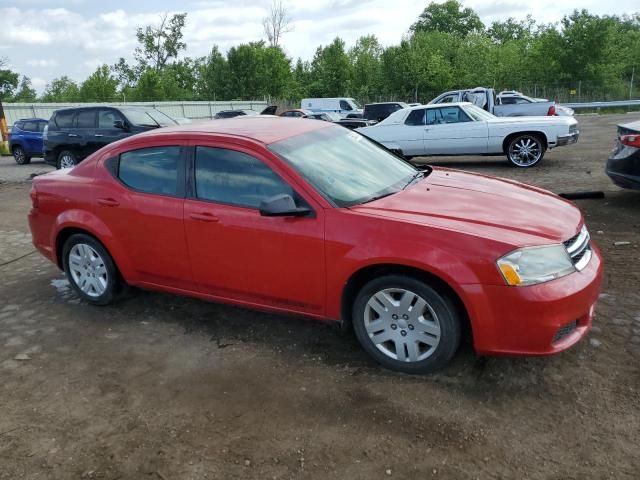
x=326 y=116
x=623 y=166
x=465 y=129
x=25 y=139
x=328 y=224
x=485 y=98
x=380 y=111
x=73 y=134
x=296 y=112
x=270 y=110
x=511 y=97
x=341 y=105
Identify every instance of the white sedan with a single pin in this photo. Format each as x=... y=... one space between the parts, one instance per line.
x=465 y=129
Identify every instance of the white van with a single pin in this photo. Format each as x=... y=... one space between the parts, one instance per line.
x=341 y=105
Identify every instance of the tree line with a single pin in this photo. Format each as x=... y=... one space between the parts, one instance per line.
x=447 y=47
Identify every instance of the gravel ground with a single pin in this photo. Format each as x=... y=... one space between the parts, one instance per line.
x=163 y=387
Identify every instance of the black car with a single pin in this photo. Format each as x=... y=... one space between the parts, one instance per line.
x=380 y=111
x=623 y=166
x=73 y=134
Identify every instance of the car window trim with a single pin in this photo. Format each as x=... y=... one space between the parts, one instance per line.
x=114 y=170
x=191 y=193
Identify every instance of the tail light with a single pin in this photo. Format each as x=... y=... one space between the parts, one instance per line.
x=630 y=140
x=33 y=193
x=552 y=111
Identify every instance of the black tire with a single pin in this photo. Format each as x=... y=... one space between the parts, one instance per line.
x=113 y=283
x=20 y=156
x=65 y=159
x=447 y=317
x=537 y=150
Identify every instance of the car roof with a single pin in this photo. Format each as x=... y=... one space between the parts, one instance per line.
x=386 y=103
x=264 y=129
x=437 y=105
x=31 y=120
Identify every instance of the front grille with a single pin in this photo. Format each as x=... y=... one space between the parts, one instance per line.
x=579 y=248
x=564 y=331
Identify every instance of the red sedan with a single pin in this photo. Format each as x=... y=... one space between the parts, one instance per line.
x=311 y=218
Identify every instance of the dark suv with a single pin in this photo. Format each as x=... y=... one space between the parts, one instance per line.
x=380 y=111
x=75 y=133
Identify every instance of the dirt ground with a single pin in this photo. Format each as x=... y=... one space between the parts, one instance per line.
x=163 y=387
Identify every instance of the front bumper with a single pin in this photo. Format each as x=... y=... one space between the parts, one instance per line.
x=567 y=139
x=536 y=320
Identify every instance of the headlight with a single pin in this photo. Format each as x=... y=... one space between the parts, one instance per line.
x=532 y=265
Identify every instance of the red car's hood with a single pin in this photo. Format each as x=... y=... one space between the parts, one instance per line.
x=505 y=210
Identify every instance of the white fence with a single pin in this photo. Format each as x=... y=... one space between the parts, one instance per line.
x=192 y=110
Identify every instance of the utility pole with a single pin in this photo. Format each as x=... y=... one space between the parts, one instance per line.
x=633 y=72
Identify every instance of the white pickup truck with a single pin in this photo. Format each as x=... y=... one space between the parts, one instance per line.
x=465 y=129
x=487 y=99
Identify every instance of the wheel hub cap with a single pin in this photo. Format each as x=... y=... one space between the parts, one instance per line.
x=88 y=270
x=526 y=151
x=402 y=325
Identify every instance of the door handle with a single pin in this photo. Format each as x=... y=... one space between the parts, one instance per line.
x=72 y=135
x=98 y=135
x=204 y=217
x=108 y=202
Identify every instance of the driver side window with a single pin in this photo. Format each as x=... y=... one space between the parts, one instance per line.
x=345 y=106
x=235 y=178
x=438 y=116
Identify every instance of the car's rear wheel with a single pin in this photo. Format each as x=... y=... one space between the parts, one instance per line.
x=20 y=155
x=67 y=159
x=525 y=150
x=90 y=269
x=405 y=324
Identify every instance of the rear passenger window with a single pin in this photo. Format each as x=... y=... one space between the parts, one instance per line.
x=86 y=119
x=151 y=170
x=65 y=119
x=231 y=177
x=416 y=117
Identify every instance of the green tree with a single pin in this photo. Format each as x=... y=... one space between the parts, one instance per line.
x=126 y=75
x=366 y=66
x=449 y=17
x=8 y=80
x=178 y=80
x=100 y=86
x=512 y=29
x=256 y=70
x=61 y=89
x=160 y=44
x=330 y=70
x=213 y=78
x=26 y=92
x=148 y=88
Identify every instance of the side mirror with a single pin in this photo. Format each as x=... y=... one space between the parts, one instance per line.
x=282 y=205
x=119 y=124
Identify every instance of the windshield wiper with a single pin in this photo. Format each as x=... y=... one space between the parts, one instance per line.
x=378 y=197
x=414 y=177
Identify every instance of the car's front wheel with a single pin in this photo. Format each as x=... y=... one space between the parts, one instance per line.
x=67 y=159
x=20 y=156
x=90 y=269
x=405 y=324
x=525 y=150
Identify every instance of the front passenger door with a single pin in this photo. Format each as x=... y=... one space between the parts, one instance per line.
x=450 y=131
x=237 y=253
x=106 y=132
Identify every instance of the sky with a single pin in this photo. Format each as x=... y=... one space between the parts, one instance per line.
x=45 y=39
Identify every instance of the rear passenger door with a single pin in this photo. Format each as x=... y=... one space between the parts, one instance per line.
x=84 y=131
x=142 y=205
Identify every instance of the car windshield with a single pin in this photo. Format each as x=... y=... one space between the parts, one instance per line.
x=333 y=116
x=140 y=118
x=355 y=104
x=477 y=113
x=344 y=166
x=161 y=118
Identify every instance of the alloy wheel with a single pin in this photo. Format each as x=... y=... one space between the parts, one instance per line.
x=19 y=155
x=88 y=270
x=525 y=151
x=402 y=325
x=67 y=161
